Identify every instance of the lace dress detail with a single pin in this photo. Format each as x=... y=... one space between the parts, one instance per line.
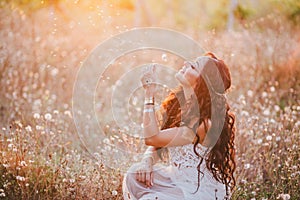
x=185 y=157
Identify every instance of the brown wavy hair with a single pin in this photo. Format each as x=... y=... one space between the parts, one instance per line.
x=220 y=160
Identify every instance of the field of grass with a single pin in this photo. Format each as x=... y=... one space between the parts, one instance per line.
x=41 y=156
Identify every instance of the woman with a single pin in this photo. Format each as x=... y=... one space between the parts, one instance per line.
x=198 y=131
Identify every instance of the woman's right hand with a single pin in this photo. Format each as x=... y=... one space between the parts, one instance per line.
x=144 y=172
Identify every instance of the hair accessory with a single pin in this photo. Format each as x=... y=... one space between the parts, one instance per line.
x=212 y=88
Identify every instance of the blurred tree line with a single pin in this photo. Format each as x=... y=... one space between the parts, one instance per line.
x=216 y=14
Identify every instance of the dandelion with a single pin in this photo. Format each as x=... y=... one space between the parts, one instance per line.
x=20 y=178
x=28 y=128
x=284 y=196
x=72 y=180
x=114 y=193
x=54 y=72
x=23 y=163
x=277 y=108
x=68 y=113
x=259 y=141
x=264 y=94
x=269 y=137
x=38 y=127
x=6 y=165
x=36 y=115
x=48 y=116
x=272 y=89
x=247 y=166
x=106 y=141
x=266 y=112
x=250 y=93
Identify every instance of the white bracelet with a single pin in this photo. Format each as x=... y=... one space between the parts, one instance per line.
x=148 y=110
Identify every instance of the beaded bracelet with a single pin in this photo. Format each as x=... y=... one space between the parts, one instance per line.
x=149 y=101
x=148 y=110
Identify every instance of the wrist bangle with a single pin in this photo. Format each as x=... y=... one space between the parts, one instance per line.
x=148 y=110
x=149 y=101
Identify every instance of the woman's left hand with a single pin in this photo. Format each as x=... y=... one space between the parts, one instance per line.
x=144 y=173
x=149 y=80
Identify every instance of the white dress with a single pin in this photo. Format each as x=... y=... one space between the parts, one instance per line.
x=179 y=180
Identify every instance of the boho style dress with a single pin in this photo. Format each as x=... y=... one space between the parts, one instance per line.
x=179 y=180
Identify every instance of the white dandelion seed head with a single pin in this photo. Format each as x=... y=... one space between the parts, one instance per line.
x=269 y=137
x=36 y=116
x=28 y=128
x=48 y=116
x=114 y=193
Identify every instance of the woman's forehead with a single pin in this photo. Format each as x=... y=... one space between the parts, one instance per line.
x=202 y=61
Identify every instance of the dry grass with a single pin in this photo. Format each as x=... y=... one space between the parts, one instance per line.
x=41 y=156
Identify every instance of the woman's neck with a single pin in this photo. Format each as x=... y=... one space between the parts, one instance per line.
x=188 y=91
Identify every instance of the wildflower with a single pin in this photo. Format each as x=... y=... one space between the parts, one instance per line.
x=48 y=116
x=38 y=127
x=23 y=163
x=68 y=113
x=28 y=128
x=277 y=108
x=6 y=165
x=106 y=141
x=272 y=89
x=259 y=141
x=284 y=196
x=247 y=166
x=250 y=93
x=266 y=112
x=36 y=116
x=20 y=178
x=269 y=137
x=264 y=94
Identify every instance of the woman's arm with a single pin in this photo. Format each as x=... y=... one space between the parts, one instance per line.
x=151 y=152
x=162 y=138
x=153 y=136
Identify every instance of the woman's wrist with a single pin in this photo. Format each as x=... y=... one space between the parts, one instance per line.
x=149 y=93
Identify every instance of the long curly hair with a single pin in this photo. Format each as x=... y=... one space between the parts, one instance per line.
x=211 y=100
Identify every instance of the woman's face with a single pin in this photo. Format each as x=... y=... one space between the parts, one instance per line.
x=188 y=75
